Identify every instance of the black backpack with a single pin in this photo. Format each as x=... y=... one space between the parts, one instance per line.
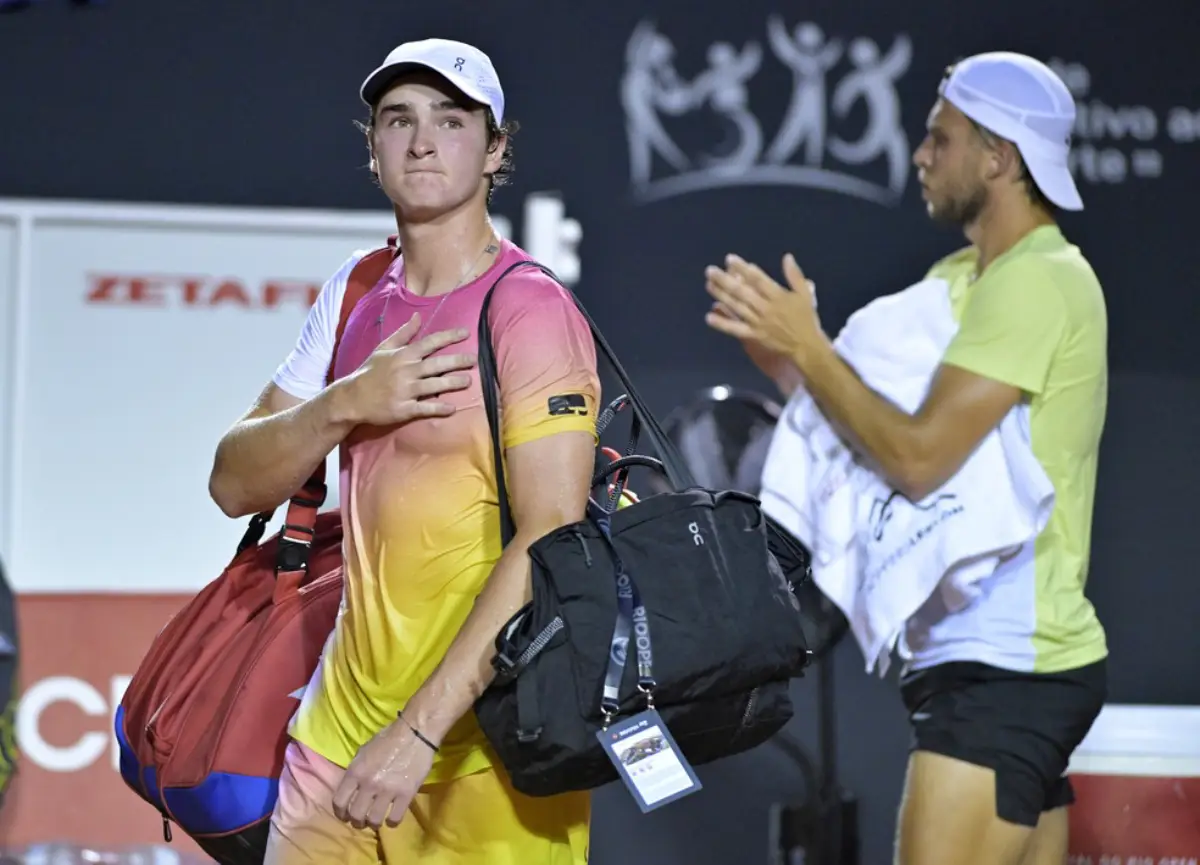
x=720 y=640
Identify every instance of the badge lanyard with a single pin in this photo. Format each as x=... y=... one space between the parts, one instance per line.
x=632 y=626
x=646 y=756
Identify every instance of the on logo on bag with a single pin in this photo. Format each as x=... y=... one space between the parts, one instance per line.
x=697 y=538
x=65 y=724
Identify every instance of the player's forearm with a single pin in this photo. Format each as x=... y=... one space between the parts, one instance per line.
x=787 y=378
x=261 y=462
x=466 y=670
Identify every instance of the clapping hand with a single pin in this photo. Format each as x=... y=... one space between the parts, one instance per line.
x=753 y=307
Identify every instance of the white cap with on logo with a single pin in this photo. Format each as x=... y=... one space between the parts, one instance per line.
x=1022 y=100
x=463 y=65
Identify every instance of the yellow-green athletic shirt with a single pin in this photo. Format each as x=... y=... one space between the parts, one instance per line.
x=1035 y=319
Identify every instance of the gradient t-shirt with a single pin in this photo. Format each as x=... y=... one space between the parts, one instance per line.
x=419 y=502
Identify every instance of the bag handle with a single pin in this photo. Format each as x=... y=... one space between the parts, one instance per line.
x=299 y=525
x=623 y=464
x=675 y=468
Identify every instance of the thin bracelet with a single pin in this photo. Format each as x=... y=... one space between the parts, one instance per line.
x=417 y=732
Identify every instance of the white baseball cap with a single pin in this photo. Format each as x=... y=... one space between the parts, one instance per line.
x=463 y=65
x=1022 y=100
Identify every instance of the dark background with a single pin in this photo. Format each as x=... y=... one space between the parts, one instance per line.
x=251 y=103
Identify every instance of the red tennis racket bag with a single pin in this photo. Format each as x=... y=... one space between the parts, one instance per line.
x=202 y=728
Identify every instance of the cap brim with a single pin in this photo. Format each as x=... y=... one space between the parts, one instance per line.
x=1056 y=183
x=372 y=89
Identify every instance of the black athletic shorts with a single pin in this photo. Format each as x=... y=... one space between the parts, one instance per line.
x=1024 y=726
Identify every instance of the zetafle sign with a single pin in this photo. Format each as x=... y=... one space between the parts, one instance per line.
x=157 y=290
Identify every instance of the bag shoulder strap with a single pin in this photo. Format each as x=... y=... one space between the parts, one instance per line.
x=299 y=524
x=364 y=276
x=677 y=471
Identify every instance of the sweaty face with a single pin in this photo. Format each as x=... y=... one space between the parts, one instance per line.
x=950 y=167
x=430 y=145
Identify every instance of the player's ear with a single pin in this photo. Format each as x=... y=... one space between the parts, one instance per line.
x=1003 y=160
x=367 y=129
x=495 y=155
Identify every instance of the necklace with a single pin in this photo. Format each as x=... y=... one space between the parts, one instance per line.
x=491 y=248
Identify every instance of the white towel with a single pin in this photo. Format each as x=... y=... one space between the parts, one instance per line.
x=876 y=555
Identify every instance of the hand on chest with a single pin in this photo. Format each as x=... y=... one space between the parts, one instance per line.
x=381 y=314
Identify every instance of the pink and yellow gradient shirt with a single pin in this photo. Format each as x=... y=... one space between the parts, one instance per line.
x=419 y=502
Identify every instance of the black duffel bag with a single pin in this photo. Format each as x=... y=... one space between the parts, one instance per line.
x=683 y=585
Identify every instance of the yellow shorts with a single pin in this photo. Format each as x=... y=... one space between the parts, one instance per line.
x=475 y=820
